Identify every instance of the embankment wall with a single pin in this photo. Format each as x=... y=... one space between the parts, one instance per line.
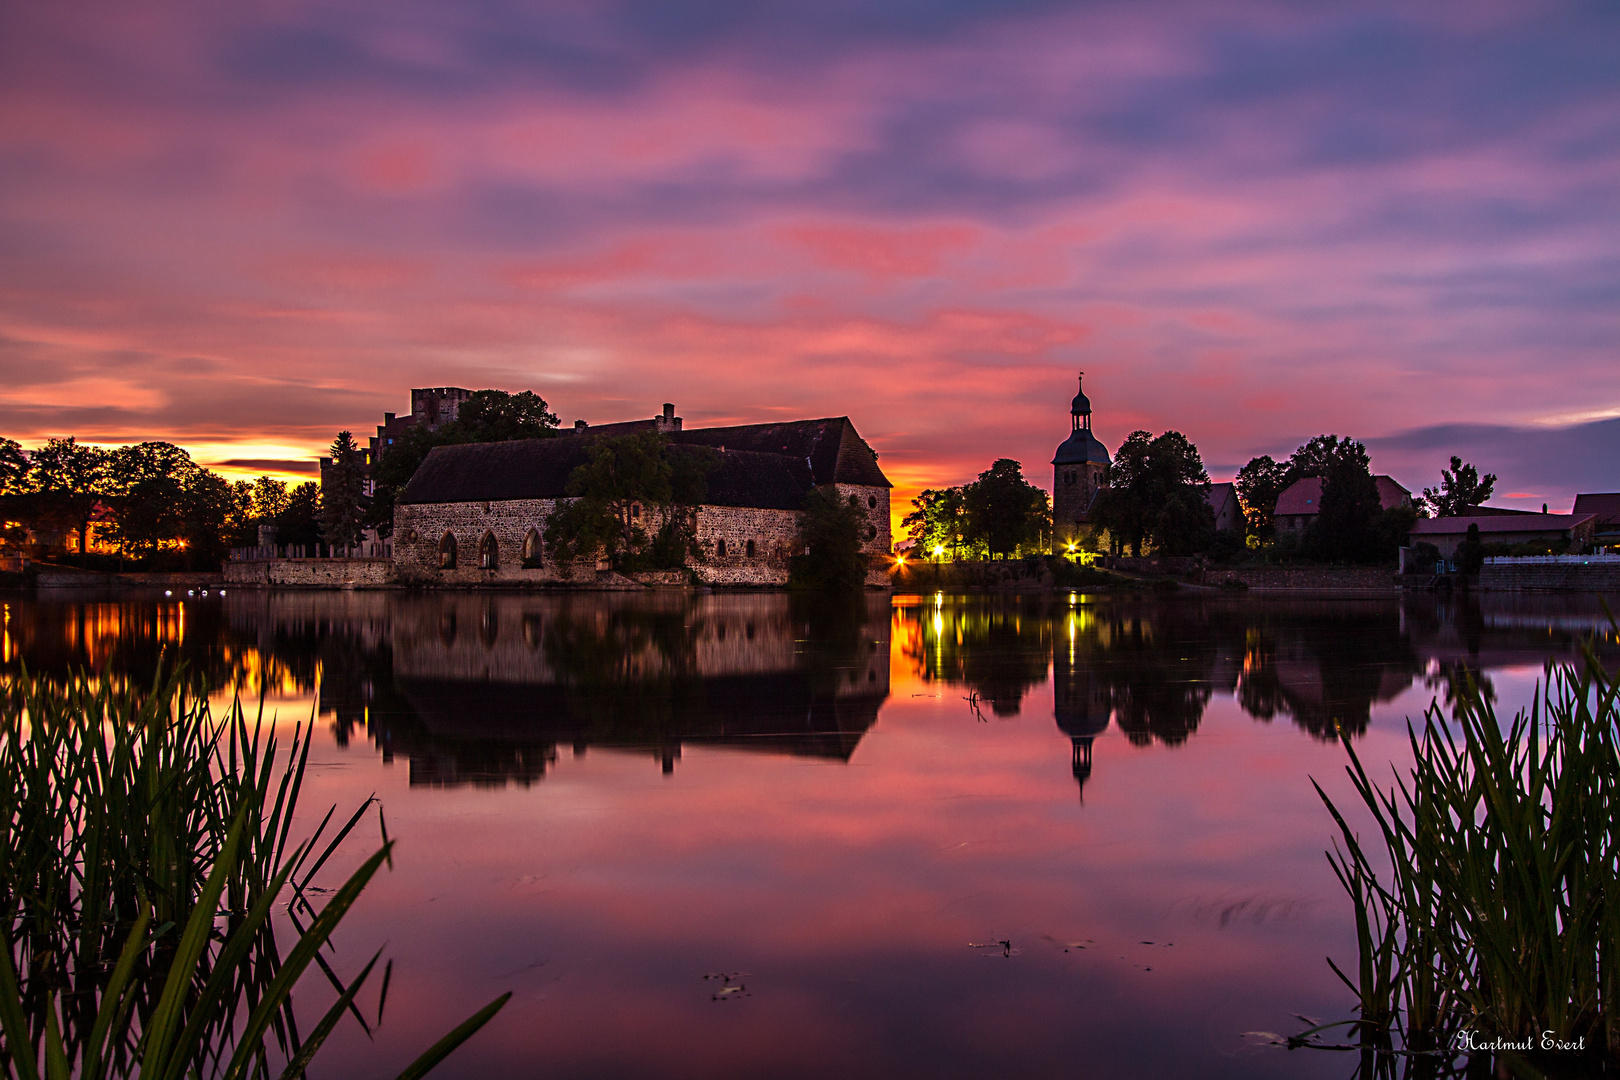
x=311 y=573
x=1551 y=577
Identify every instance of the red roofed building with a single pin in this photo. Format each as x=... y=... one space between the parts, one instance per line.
x=1301 y=501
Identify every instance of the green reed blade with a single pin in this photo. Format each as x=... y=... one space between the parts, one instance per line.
x=447 y=1045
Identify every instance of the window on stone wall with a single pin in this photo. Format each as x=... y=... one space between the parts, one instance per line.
x=488 y=553
x=532 y=551
x=447 y=552
x=871 y=502
x=720 y=548
x=635 y=510
x=750 y=551
x=871 y=532
x=855 y=502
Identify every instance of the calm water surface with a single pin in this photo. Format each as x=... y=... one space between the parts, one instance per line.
x=709 y=835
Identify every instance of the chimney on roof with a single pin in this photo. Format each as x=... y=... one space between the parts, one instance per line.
x=579 y=426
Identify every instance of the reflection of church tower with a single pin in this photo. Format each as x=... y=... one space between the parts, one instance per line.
x=1079 y=705
x=1078 y=472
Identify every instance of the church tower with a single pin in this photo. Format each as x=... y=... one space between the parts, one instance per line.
x=1079 y=471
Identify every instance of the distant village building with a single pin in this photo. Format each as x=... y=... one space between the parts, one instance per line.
x=1570 y=531
x=1301 y=501
x=1223 y=501
x=477 y=513
x=1079 y=472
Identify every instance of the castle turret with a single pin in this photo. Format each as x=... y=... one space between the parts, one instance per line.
x=1079 y=471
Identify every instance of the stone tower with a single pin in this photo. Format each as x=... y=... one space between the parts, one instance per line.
x=1079 y=470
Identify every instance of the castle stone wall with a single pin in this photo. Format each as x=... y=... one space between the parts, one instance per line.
x=419 y=529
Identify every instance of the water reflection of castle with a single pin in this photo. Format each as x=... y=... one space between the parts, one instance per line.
x=483 y=689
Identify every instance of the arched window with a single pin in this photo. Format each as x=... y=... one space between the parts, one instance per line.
x=720 y=548
x=855 y=502
x=488 y=553
x=871 y=532
x=447 y=552
x=750 y=549
x=871 y=502
x=532 y=551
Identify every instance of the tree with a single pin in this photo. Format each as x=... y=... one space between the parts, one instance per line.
x=1346 y=522
x=76 y=476
x=1157 y=491
x=829 y=538
x=146 y=485
x=269 y=497
x=343 y=505
x=207 y=506
x=1471 y=552
x=1258 y=485
x=1318 y=457
x=627 y=483
x=1004 y=511
x=240 y=519
x=486 y=416
x=14 y=468
x=496 y=416
x=1461 y=488
x=936 y=523
x=299 y=523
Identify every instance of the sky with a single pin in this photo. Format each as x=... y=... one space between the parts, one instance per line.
x=243 y=227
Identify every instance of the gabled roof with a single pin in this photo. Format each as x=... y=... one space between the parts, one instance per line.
x=1606 y=505
x=1303 y=496
x=1499 y=523
x=772 y=466
x=1391 y=494
x=1218 y=495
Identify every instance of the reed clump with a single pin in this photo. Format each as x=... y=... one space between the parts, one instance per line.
x=144 y=844
x=1493 y=915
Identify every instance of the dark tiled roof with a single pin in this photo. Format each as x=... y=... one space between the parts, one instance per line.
x=1605 y=504
x=771 y=466
x=1498 y=523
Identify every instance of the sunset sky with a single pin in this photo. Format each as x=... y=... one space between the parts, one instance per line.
x=241 y=227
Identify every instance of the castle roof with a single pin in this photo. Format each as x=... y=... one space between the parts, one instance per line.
x=771 y=466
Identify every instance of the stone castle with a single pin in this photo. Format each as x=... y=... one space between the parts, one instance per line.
x=476 y=514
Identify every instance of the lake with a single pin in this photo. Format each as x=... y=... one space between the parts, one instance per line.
x=755 y=835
